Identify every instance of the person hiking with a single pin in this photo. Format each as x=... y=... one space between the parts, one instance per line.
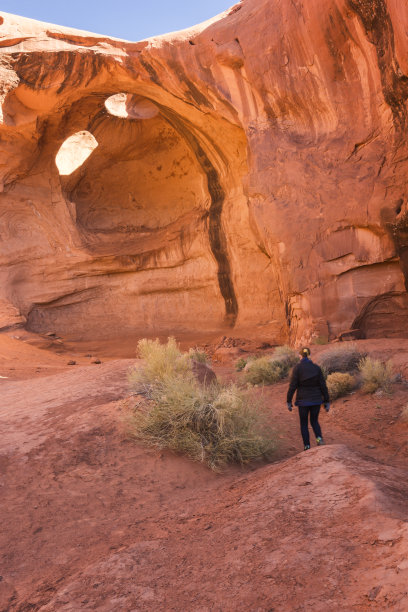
x=308 y=380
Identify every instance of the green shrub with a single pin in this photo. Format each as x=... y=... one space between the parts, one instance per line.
x=197 y=355
x=240 y=364
x=339 y=384
x=375 y=375
x=213 y=424
x=265 y=371
x=342 y=357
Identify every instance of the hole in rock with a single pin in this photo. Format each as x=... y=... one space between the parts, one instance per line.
x=143 y=176
x=1 y=20
x=74 y=152
x=128 y=106
x=398 y=206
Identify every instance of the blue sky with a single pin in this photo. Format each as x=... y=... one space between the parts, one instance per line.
x=130 y=19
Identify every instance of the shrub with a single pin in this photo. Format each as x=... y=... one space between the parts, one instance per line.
x=265 y=371
x=286 y=355
x=339 y=384
x=214 y=424
x=375 y=375
x=240 y=364
x=197 y=355
x=343 y=357
x=161 y=361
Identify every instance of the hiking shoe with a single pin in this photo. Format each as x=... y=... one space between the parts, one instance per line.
x=307 y=446
x=319 y=441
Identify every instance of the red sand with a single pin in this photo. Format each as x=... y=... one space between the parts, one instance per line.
x=92 y=521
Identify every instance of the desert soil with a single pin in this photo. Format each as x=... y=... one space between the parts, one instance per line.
x=90 y=520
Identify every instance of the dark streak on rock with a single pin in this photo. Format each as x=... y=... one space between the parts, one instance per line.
x=150 y=70
x=379 y=31
x=36 y=73
x=194 y=94
x=216 y=233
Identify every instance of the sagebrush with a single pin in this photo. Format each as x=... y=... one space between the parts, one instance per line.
x=339 y=384
x=160 y=362
x=286 y=354
x=270 y=370
x=264 y=371
x=375 y=375
x=342 y=357
x=240 y=364
x=216 y=424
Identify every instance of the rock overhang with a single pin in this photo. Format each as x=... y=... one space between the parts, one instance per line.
x=270 y=163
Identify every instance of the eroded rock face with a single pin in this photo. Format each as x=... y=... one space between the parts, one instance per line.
x=249 y=173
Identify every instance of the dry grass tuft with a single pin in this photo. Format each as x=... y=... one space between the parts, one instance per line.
x=264 y=371
x=375 y=375
x=161 y=362
x=270 y=370
x=214 y=424
x=286 y=355
x=339 y=384
x=342 y=357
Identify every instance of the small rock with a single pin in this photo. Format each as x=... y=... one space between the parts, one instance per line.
x=71 y=362
x=96 y=361
x=50 y=334
x=370 y=446
x=264 y=345
x=402 y=566
x=350 y=334
x=203 y=373
x=374 y=592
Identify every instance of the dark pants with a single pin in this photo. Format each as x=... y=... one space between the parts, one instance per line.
x=304 y=412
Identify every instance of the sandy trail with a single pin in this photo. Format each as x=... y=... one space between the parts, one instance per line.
x=92 y=521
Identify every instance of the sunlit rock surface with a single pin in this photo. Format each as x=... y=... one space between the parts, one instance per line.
x=247 y=174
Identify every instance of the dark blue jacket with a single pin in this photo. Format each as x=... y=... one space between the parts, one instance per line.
x=307 y=378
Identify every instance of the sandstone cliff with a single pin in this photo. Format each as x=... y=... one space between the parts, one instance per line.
x=248 y=173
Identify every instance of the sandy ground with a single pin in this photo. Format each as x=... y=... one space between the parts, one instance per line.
x=92 y=521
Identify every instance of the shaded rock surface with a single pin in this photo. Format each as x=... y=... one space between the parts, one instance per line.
x=249 y=173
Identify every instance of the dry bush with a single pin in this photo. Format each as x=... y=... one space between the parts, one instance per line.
x=375 y=375
x=342 y=357
x=214 y=424
x=270 y=370
x=286 y=355
x=264 y=371
x=339 y=384
x=161 y=361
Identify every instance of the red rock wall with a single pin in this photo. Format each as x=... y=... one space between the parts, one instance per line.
x=254 y=178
